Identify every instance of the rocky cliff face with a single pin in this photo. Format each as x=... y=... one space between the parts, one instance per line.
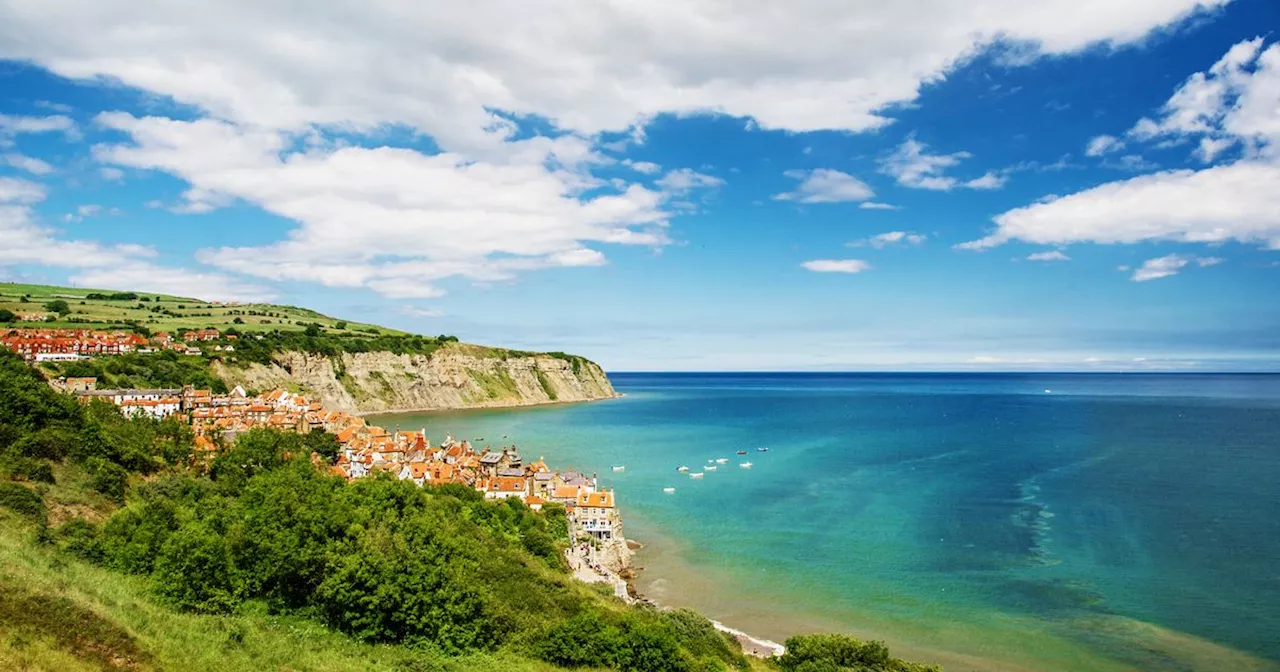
x=447 y=379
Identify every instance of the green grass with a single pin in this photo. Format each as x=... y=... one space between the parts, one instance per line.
x=58 y=613
x=179 y=312
x=546 y=384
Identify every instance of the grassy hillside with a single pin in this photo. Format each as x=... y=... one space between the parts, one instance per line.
x=60 y=613
x=161 y=312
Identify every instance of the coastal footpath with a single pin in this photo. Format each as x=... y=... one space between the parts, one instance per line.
x=457 y=377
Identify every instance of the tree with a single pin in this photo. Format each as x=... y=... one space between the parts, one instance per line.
x=323 y=443
x=340 y=325
x=312 y=330
x=7 y=315
x=58 y=306
x=194 y=570
x=237 y=321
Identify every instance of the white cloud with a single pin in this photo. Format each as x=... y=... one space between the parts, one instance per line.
x=413 y=311
x=1103 y=144
x=1233 y=103
x=1051 y=255
x=836 y=265
x=685 y=180
x=14 y=190
x=120 y=266
x=111 y=174
x=178 y=281
x=823 y=64
x=86 y=211
x=646 y=167
x=991 y=180
x=890 y=238
x=29 y=164
x=14 y=125
x=913 y=166
x=1169 y=265
x=1160 y=267
x=395 y=220
x=872 y=205
x=824 y=185
x=1233 y=202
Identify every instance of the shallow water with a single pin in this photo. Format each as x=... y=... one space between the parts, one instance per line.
x=989 y=521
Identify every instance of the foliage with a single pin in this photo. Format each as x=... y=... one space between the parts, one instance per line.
x=20 y=499
x=7 y=315
x=842 y=653
x=145 y=370
x=58 y=306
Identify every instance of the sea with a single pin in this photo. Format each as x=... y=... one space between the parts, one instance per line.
x=979 y=521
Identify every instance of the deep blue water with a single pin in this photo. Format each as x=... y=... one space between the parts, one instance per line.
x=1043 y=519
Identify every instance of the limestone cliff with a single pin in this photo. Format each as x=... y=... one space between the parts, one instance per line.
x=455 y=377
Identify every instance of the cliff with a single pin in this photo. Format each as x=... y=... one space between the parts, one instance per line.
x=459 y=376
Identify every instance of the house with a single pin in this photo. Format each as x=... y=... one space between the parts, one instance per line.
x=595 y=515
x=501 y=487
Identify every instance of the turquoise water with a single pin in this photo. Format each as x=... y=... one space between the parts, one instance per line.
x=986 y=521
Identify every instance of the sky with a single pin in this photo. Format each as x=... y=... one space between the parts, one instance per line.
x=672 y=185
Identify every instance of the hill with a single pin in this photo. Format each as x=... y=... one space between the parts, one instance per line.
x=107 y=309
x=345 y=365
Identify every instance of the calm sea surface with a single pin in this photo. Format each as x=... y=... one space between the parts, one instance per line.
x=1055 y=522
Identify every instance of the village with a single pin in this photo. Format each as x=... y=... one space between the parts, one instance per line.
x=51 y=345
x=599 y=552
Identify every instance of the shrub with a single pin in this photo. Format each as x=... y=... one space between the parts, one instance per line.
x=107 y=477
x=841 y=653
x=21 y=500
x=193 y=571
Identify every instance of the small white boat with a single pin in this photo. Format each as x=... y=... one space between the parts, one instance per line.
x=1048 y=391
x=711 y=467
x=763 y=449
x=722 y=460
x=620 y=468
x=668 y=490
x=696 y=474
x=745 y=465
x=682 y=469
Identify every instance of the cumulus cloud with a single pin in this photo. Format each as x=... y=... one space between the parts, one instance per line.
x=273 y=81
x=685 y=180
x=396 y=220
x=14 y=125
x=1169 y=265
x=836 y=265
x=872 y=205
x=824 y=185
x=121 y=266
x=14 y=190
x=823 y=64
x=1233 y=103
x=111 y=174
x=913 y=166
x=1232 y=202
x=890 y=238
x=1051 y=255
x=646 y=167
x=29 y=164
x=1103 y=144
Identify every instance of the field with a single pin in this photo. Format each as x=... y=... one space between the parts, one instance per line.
x=161 y=312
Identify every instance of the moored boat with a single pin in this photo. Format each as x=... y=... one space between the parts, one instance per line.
x=619 y=468
x=696 y=474
x=682 y=469
x=668 y=490
x=745 y=465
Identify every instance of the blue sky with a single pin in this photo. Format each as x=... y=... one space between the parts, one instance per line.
x=842 y=186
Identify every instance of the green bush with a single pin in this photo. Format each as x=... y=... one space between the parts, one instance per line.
x=21 y=499
x=193 y=570
x=107 y=477
x=842 y=653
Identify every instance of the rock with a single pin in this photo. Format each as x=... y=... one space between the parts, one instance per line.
x=449 y=378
